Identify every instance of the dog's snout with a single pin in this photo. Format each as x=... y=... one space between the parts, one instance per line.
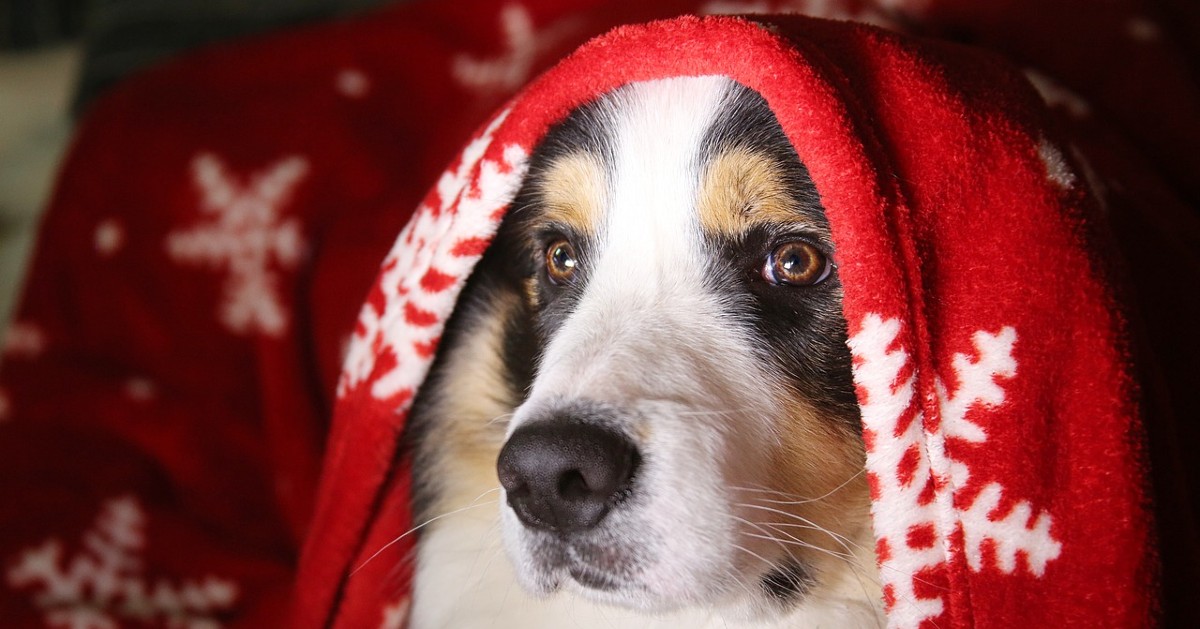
x=564 y=476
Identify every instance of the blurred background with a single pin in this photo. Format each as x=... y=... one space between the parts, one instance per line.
x=58 y=55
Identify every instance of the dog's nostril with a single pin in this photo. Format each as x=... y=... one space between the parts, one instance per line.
x=564 y=475
x=572 y=486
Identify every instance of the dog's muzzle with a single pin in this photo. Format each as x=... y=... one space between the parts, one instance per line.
x=563 y=475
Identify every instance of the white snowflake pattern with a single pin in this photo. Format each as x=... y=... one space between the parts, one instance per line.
x=395 y=615
x=433 y=254
x=353 y=83
x=103 y=584
x=23 y=339
x=1055 y=94
x=913 y=477
x=1058 y=170
x=1143 y=30
x=247 y=237
x=108 y=237
x=897 y=503
x=140 y=389
x=523 y=45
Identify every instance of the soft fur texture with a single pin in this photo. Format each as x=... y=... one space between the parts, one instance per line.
x=749 y=501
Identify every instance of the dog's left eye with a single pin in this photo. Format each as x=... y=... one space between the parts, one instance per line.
x=796 y=263
x=561 y=263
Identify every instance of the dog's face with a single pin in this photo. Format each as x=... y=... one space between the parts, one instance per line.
x=666 y=332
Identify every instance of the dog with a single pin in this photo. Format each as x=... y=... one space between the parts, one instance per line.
x=643 y=412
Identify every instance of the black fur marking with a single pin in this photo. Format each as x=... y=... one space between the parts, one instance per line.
x=514 y=256
x=787 y=582
x=802 y=328
x=527 y=234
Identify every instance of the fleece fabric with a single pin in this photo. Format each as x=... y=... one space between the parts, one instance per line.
x=196 y=431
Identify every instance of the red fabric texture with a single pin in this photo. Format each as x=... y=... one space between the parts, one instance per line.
x=167 y=395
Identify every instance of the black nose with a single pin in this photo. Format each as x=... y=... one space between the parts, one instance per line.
x=564 y=476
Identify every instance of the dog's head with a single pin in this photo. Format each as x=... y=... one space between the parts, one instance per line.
x=659 y=322
x=690 y=434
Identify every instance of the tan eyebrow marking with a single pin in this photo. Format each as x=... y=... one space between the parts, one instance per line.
x=573 y=192
x=740 y=189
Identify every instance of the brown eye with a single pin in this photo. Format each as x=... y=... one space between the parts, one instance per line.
x=796 y=263
x=560 y=262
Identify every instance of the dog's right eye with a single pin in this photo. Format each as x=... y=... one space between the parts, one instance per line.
x=796 y=263
x=561 y=263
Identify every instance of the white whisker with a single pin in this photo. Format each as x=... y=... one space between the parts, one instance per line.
x=802 y=500
x=499 y=418
x=474 y=504
x=842 y=539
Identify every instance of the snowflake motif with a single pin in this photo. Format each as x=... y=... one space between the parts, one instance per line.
x=395 y=615
x=1143 y=30
x=913 y=478
x=139 y=389
x=23 y=340
x=1055 y=94
x=1057 y=170
x=245 y=236
x=399 y=327
x=523 y=44
x=103 y=584
x=108 y=237
x=353 y=83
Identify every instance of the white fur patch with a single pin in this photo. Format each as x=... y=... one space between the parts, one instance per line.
x=474 y=586
x=644 y=336
x=649 y=337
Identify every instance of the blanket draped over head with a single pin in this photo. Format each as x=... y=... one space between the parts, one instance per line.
x=993 y=382
x=169 y=378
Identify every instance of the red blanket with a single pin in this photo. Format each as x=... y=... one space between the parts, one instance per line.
x=169 y=380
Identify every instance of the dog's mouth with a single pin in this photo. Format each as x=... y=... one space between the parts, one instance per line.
x=784 y=583
x=590 y=578
x=619 y=520
x=600 y=566
x=594 y=564
x=607 y=572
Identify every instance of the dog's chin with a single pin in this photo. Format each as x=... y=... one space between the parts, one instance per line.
x=607 y=570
